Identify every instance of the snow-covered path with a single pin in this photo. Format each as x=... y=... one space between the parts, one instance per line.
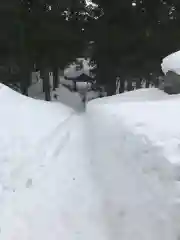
x=61 y=201
x=79 y=176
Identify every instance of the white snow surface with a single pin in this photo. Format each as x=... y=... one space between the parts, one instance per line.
x=108 y=173
x=171 y=63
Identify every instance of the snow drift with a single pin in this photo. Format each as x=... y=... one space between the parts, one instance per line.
x=139 y=151
x=109 y=173
x=45 y=188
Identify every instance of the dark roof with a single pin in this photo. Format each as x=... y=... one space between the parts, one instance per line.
x=82 y=78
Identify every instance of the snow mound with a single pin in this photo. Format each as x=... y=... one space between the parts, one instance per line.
x=23 y=117
x=140 y=135
x=45 y=187
x=152 y=114
x=171 y=63
x=151 y=94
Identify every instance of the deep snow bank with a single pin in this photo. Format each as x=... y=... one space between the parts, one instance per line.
x=152 y=114
x=26 y=119
x=138 y=162
x=141 y=95
x=46 y=188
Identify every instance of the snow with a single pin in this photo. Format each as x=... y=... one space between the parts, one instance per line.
x=171 y=63
x=135 y=181
x=159 y=121
x=146 y=136
x=44 y=178
x=79 y=85
x=92 y=95
x=152 y=114
x=71 y=99
x=107 y=173
x=71 y=71
x=36 y=89
x=144 y=94
x=61 y=94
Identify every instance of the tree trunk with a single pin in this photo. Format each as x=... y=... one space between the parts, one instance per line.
x=46 y=84
x=138 y=83
x=155 y=81
x=111 y=88
x=24 y=88
x=25 y=80
x=55 y=77
x=147 y=83
x=122 y=85
x=129 y=85
x=74 y=86
x=42 y=77
x=106 y=76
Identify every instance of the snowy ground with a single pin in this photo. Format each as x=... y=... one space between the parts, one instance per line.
x=108 y=173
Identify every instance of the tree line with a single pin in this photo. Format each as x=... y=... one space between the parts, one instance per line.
x=123 y=38
x=131 y=38
x=39 y=34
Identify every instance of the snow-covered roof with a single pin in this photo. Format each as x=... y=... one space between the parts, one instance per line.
x=82 y=78
x=71 y=71
x=171 y=63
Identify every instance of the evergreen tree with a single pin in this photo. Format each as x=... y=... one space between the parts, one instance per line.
x=45 y=33
x=131 y=35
